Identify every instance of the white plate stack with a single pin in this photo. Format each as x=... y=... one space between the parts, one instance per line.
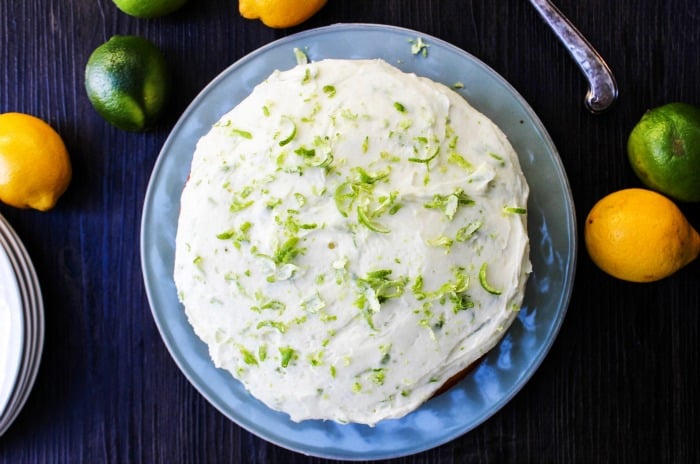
x=21 y=325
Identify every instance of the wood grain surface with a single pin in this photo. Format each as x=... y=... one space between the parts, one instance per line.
x=620 y=384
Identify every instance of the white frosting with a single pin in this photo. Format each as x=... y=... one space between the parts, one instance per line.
x=351 y=237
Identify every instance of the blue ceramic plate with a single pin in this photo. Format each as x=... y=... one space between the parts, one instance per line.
x=552 y=232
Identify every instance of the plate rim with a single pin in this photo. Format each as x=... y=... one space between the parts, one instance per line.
x=34 y=322
x=13 y=379
x=563 y=300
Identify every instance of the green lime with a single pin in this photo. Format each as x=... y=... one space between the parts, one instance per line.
x=128 y=82
x=664 y=150
x=148 y=8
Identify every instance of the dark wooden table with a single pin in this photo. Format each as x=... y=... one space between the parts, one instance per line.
x=620 y=383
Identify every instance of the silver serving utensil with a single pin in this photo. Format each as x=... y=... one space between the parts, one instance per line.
x=602 y=88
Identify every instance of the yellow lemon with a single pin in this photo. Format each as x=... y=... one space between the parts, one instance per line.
x=640 y=236
x=280 y=13
x=35 y=167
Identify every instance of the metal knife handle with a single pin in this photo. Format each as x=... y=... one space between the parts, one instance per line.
x=602 y=88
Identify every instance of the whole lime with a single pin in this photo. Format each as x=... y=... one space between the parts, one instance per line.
x=664 y=150
x=148 y=8
x=128 y=82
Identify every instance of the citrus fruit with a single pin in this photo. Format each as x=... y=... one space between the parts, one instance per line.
x=148 y=8
x=128 y=82
x=35 y=167
x=664 y=150
x=639 y=235
x=279 y=13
